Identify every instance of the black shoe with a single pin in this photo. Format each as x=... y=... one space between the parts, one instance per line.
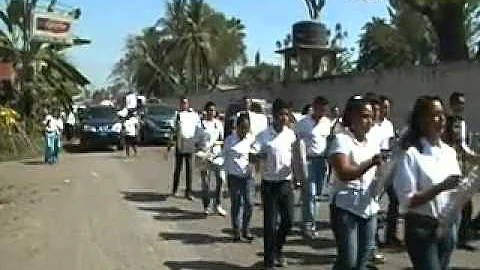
x=467 y=247
x=189 y=197
x=248 y=236
x=236 y=237
x=280 y=262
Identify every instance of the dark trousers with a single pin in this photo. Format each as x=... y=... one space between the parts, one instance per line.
x=427 y=249
x=392 y=214
x=464 y=230
x=179 y=158
x=278 y=202
x=241 y=195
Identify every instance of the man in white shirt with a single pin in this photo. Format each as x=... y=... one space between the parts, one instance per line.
x=314 y=130
x=387 y=132
x=131 y=133
x=276 y=145
x=456 y=135
x=131 y=101
x=187 y=126
x=70 y=126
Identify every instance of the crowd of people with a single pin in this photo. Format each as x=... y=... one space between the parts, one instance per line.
x=346 y=156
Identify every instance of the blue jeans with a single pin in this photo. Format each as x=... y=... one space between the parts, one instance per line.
x=52 y=147
x=427 y=249
x=316 y=176
x=241 y=196
x=354 y=237
x=208 y=195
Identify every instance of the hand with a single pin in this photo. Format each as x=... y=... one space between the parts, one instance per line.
x=377 y=160
x=450 y=183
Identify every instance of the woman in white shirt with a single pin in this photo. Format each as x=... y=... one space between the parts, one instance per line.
x=212 y=137
x=241 y=185
x=51 y=134
x=423 y=179
x=353 y=208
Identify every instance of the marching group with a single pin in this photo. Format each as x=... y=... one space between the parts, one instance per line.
x=344 y=152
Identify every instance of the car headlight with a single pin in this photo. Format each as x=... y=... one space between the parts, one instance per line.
x=89 y=128
x=171 y=123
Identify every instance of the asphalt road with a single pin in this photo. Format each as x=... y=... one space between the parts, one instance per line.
x=101 y=211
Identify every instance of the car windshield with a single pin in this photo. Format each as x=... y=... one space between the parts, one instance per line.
x=100 y=112
x=160 y=110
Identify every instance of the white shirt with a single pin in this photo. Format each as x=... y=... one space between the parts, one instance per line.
x=188 y=122
x=348 y=194
x=59 y=124
x=188 y=126
x=236 y=155
x=419 y=171
x=278 y=148
x=71 y=119
x=212 y=133
x=50 y=123
x=387 y=132
x=258 y=122
x=315 y=134
x=131 y=126
x=131 y=101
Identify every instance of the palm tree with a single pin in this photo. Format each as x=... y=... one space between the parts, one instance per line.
x=41 y=66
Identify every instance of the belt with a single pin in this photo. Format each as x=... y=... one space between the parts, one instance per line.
x=316 y=157
x=422 y=221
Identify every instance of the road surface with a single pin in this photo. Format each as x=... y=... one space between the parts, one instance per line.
x=100 y=211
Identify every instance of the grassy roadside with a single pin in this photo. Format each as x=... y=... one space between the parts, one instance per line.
x=18 y=146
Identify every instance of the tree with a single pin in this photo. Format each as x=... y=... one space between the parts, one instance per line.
x=261 y=74
x=448 y=20
x=343 y=63
x=381 y=46
x=257 y=58
x=45 y=73
x=192 y=47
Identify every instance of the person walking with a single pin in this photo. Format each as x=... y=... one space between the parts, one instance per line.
x=314 y=130
x=353 y=208
x=275 y=145
x=187 y=127
x=212 y=139
x=423 y=189
x=241 y=185
x=131 y=133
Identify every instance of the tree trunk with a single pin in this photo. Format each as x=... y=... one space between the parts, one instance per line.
x=449 y=24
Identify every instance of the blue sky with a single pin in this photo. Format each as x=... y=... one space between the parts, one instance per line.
x=107 y=24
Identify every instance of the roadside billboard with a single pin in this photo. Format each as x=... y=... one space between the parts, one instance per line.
x=52 y=28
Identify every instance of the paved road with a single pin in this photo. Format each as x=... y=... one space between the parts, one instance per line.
x=102 y=211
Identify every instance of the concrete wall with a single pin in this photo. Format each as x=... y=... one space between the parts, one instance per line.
x=402 y=85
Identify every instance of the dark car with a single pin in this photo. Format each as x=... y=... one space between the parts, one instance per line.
x=158 y=124
x=100 y=126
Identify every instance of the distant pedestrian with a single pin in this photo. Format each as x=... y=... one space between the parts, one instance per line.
x=131 y=133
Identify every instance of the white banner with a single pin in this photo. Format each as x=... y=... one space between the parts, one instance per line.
x=52 y=27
